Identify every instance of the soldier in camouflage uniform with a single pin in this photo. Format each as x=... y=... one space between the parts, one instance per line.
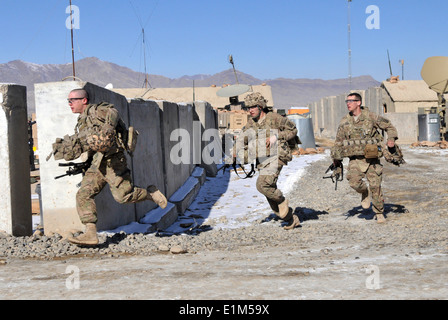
x=264 y=139
x=358 y=139
x=96 y=136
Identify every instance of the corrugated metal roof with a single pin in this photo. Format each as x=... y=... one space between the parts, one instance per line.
x=409 y=90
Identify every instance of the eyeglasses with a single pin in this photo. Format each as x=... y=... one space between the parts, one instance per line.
x=252 y=107
x=350 y=101
x=71 y=100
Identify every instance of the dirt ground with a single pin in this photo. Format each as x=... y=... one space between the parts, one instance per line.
x=338 y=255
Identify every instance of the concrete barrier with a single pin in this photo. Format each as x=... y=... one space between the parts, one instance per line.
x=15 y=192
x=147 y=165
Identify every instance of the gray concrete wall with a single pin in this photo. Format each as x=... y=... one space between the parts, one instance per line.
x=15 y=192
x=147 y=166
x=208 y=118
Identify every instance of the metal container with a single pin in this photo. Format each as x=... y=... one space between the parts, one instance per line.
x=305 y=130
x=429 y=127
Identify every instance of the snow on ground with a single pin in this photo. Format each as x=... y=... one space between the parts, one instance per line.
x=227 y=201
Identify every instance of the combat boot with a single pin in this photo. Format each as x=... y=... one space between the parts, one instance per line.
x=273 y=205
x=89 y=237
x=380 y=218
x=294 y=222
x=156 y=196
x=365 y=199
x=283 y=209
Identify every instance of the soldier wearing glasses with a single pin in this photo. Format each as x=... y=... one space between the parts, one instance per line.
x=96 y=135
x=359 y=139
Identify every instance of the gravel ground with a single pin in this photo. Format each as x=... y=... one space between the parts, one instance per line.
x=339 y=252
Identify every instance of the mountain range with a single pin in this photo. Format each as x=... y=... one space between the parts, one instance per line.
x=286 y=92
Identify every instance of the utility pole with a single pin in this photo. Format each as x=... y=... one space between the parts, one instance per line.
x=402 y=68
x=349 y=48
x=73 y=50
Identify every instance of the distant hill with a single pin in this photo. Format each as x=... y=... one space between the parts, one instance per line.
x=286 y=92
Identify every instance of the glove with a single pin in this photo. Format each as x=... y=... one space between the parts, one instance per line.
x=58 y=150
x=393 y=155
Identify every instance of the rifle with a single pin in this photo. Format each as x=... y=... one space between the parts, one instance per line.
x=337 y=174
x=234 y=165
x=75 y=168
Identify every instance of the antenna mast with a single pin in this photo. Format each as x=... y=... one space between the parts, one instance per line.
x=233 y=65
x=349 y=48
x=144 y=58
x=73 y=50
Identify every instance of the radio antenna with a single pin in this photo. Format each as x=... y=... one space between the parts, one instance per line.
x=390 y=66
x=233 y=65
x=349 y=47
x=73 y=50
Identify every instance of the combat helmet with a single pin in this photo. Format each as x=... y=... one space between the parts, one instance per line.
x=255 y=99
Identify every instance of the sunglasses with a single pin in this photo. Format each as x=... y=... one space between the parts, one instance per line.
x=72 y=99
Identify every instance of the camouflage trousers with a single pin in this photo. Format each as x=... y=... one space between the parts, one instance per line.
x=372 y=170
x=267 y=186
x=112 y=171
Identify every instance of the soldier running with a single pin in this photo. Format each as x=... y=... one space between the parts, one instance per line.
x=275 y=132
x=358 y=139
x=96 y=134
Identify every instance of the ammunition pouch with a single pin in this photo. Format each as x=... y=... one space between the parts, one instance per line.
x=357 y=147
x=126 y=137
x=132 y=140
x=371 y=151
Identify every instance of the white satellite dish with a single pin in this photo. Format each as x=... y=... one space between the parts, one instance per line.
x=233 y=90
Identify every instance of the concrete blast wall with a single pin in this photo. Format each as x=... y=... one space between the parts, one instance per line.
x=329 y=111
x=151 y=164
x=15 y=192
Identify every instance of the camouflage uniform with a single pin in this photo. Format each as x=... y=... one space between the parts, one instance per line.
x=95 y=132
x=351 y=140
x=271 y=161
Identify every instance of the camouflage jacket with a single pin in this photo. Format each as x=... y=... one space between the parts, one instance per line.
x=95 y=133
x=353 y=135
x=258 y=131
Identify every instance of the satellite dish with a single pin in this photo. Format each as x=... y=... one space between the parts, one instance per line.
x=435 y=74
x=233 y=90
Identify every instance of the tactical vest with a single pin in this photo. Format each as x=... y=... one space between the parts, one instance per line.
x=358 y=136
x=272 y=121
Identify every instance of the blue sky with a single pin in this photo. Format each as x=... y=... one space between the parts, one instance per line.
x=268 y=39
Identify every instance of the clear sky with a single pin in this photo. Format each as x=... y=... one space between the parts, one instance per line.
x=268 y=39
